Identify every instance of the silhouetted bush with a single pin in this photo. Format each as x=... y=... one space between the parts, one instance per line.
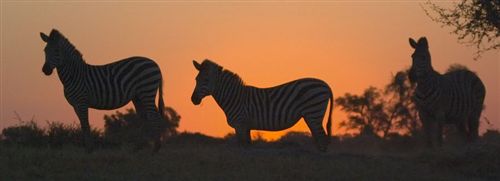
x=60 y=134
x=492 y=136
x=26 y=133
x=129 y=128
x=193 y=138
x=56 y=135
x=295 y=137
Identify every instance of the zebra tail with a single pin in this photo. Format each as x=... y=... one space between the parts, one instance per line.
x=161 y=104
x=329 y=123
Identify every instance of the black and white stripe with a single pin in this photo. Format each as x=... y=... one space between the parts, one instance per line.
x=106 y=87
x=275 y=108
x=453 y=98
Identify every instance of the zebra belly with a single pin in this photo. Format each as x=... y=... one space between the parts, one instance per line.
x=108 y=102
x=110 y=106
x=274 y=125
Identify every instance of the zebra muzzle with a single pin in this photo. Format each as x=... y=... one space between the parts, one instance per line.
x=47 y=69
x=195 y=99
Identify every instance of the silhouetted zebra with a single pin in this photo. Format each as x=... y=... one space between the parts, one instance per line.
x=453 y=98
x=107 y=86
x=275 y=108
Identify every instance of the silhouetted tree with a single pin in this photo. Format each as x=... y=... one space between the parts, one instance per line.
x=476 y=22
x=365 y=112
x=404 y=114
x=129 y=127
x=380 y=112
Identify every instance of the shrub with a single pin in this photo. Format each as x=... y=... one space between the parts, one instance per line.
x=56 y=135
x=26 y=133
x=125 y=128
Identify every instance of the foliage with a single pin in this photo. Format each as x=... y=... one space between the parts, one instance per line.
x=26 y=133
x=59 y=134
x=476 y=22
x=404 y=114
x=119 y=128
x=193 y=138
x=378 y=112
x=122 y=127
x=56 y=135
x=129 y=127
x=296 y=138
x=492 y=135
x=365 y=112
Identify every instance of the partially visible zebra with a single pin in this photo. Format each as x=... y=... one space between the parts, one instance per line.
x=453 y=98
x=275 y=108
x=107 y=86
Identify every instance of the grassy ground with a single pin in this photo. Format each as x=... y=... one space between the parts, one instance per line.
x=262 y=161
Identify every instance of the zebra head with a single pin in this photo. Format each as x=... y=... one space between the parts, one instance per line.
x=53 y=53
x=205 y=80
x=421 y=59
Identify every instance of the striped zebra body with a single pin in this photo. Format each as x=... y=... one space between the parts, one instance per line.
x=106 y=87
x=272 y=109
x=112 y=86
x=453 y=98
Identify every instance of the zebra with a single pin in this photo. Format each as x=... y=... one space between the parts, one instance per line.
x=105 y=87
x=276 y=108
x=455 y=97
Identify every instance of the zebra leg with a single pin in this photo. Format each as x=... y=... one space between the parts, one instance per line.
x=141 y=140
x=156 y=123
x=473 y=123
x=317 y=131
x=440 y=119
x=82 y=112
x=462 y=129
x=427 y=124
x=243 y=135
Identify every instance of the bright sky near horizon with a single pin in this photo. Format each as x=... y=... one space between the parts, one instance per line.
x=350 y=45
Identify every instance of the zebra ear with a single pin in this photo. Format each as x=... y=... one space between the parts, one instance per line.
x=44 y=37
x=423 y=42
x=413 y=43
x=196 y=65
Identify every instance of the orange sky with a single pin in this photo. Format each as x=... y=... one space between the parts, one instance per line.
x=350 y=45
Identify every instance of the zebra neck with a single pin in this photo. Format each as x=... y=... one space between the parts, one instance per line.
x=428 y=78
x=228 y=93
x=427 y=85
x=72 y=72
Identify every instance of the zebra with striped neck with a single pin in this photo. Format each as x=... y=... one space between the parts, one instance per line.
x=105 y=87
x=453 y=98
x=272 y=109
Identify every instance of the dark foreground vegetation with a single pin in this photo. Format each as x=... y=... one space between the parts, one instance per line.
x=34 y=155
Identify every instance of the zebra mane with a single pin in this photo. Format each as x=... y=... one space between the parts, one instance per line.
x=223 y=71
x=236 y=77
x=67 y=47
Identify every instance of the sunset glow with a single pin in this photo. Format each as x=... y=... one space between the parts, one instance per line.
x=350 y=45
